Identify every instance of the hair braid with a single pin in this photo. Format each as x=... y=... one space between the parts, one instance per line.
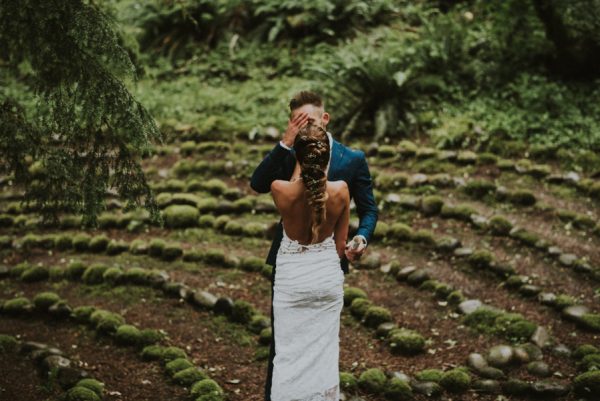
x=312 y=152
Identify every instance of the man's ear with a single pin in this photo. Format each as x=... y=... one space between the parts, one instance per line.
x=325 y=118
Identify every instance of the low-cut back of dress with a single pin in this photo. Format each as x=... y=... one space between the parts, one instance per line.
x=307 y=302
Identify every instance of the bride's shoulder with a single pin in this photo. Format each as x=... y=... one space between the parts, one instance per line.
x=339 y=187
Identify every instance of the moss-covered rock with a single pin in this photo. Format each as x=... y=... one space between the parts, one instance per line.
x=401 y=232
x=189 y=376
x=82 y=314
x=563 y=300
x=456 y=381
x=265 y=336
x=138 y=247
x=455 y=297
x=44 y=300
x=98 y=243
x=171 y=353
x=206 y=387
x=116 y=247
x=585 y=349
x=128 y=335
x=63 y=242
x=587 y=384
x=258 y=322
x=252 y=263
x=8 y=344
x=590 y=362
x=431 y=205
x=521 y=198
x=372 y=381
x=459 y=212
x=112 y=275
x=181 y=216
x=80 y=393
x=35 y=273
x=430 y=375
x=155 y=247
x=17 y=306
x=424 y=236
x=348 y=382
x=406 y=342
x=106 y=321
x=177 y=365
x=153 y=353
x=95 y=385
x=94 y=273
x=171 y=251
x=479 y=188
x=498 y=225
x=351 y=293
x=359 y=307
x=591 y=321
x=375 y=315
x=150 y=336
x=242 y=312
x=397 y=389
x=481 y=259
x=75 y=270
x=207 y=220
x=215 y=257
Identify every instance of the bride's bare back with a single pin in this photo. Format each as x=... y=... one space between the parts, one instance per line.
x=291 y=201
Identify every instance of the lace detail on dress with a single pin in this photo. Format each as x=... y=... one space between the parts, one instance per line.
x=289 y=245
x=330 y=394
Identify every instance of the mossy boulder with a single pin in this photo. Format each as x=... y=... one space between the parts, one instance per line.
x=587 y=384
x=75 y=270
x=17 y=306
x=171 y=251
x=591 y=321
x=215 y=256
x=94 y=273
x=63 y=242
x=206 y=387
x=499 y=225
x=375 y=315
x=584 y=350
x=406 y=342
x=481 y=258
x=189 y=376
x=431 y=205
x=44 y=300
x=397 y=389
x=590 y=362
x=252 y=263
x=181 y=216
x=82 y=313
x=150 y=336
x=359 y=307
x=95 y=385
x=81 y=393
x=521 y=198
x=177 y=365
x=35 y=273
x=351 y=293
x=106 y=321
x=348 y=382
x=112 y=275
x=155 y=247
x=258 y=322
x=154 y=353
x=242 y=312
x=128 y=335
x=456 y=381
x=430 y=375
x=98 y=243
x=171 y=353
x=400 y=231
x=136 y=275
x=459 y=212
x=207 y=220
x=8 y=344
x=479 y=188
x=116 y=247
x=265 y=336
x=372 y=381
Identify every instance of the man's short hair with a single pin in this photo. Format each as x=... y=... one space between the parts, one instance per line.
x=305 y=97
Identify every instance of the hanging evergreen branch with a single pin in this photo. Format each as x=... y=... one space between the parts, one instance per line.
x=87 y=132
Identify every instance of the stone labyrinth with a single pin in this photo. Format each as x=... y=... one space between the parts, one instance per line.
x=482 y=282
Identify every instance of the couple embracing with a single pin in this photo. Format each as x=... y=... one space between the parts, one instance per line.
x=312 y=178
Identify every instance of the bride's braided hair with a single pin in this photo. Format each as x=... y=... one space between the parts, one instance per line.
x=312 y=152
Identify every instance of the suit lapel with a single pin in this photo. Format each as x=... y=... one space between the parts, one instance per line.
x=337 y=155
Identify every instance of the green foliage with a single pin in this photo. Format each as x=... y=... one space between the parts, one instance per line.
x=86 y=132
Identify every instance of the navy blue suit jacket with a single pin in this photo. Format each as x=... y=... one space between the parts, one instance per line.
x=346 y=164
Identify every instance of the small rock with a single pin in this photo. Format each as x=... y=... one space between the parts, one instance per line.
x=561 y=350
x=447 y=244
x=405 y=272
x=384 y=328
x=417 y=277
x=535 y=353
x=521 y=355
x=567 y=259
x=478 y=221
x=409 y=201
x=402 y=376
x=529 y=290
x=547 y=298
x=55 y=361
x=476 y=361
x=540 y=337
x=416 y=180
x=575 y=312
x=500 y=355
x=223 y=306
x=539 y=368
x=464 y=251
x=469 y=306
x=490 y=372
x=29 y=346
x=204 y=299
x=392 y=198
x=429 y=389
x=554 y=251
x=487 y=386
x=549 y=389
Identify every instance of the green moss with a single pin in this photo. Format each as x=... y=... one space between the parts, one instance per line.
x=150 y=336
x=375 y=315
x=482 y=319
x=98 y=243
x=215 y=186
x=258 y=322
x=181 y=216
x=372 y=381
x=207 y=220
x=348 y=382
x=455 y=297
x=80 y=393
x=456 y=381
x=75 y=270
x=351 y=293
x=254 y=230
x=189 y=376
x=128 y=335
x=479 y=188
x=400 y=231
x=267 y=271
x=526 y=237
x=138 y=247
x=44 y=300
x=177 y=365
x=155 y=248
x=588 y=383
x=35 y=273
x=481 y=258
x=92 y=384
x=431 y=205
x=112 y=275
x=242 y=312
x=499 y=225
x=63 y=242
x=252 y=264
x=171 y=252
x=424 y=236
x=215 y=257
x=359 y=307
x=106 y=321
x=585 y=349
x=206 y=387
x=430 y=375
x=94 y=273
x=265 y=336
x=17 y=305
x=171 y=353
x=153 y=353
x=591 y=321
x=521 y=198
x=406 y=342
x=397 y=389
x=83 y=313
x=8 y=343
x=459 y=212
x=590 y=362
x=116 y=247
x=563 y=300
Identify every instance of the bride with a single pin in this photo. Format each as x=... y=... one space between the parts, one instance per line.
x=308 y=288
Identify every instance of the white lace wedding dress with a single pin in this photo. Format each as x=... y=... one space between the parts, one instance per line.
x=308 y=298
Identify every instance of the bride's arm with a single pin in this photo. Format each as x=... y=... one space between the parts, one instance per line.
x=342 y=224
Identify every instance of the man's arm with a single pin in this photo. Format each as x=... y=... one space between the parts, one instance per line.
x=271 y=168
x=362 y=192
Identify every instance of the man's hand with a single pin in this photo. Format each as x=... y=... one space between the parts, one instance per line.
x=355 y=248
x=293 y=127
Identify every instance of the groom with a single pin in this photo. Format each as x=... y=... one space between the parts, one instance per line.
x=344 y=164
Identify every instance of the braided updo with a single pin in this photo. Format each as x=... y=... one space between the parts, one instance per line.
x=312 y=152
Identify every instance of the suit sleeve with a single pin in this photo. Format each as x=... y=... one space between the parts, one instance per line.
x=271 y=168
x=362 y=192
